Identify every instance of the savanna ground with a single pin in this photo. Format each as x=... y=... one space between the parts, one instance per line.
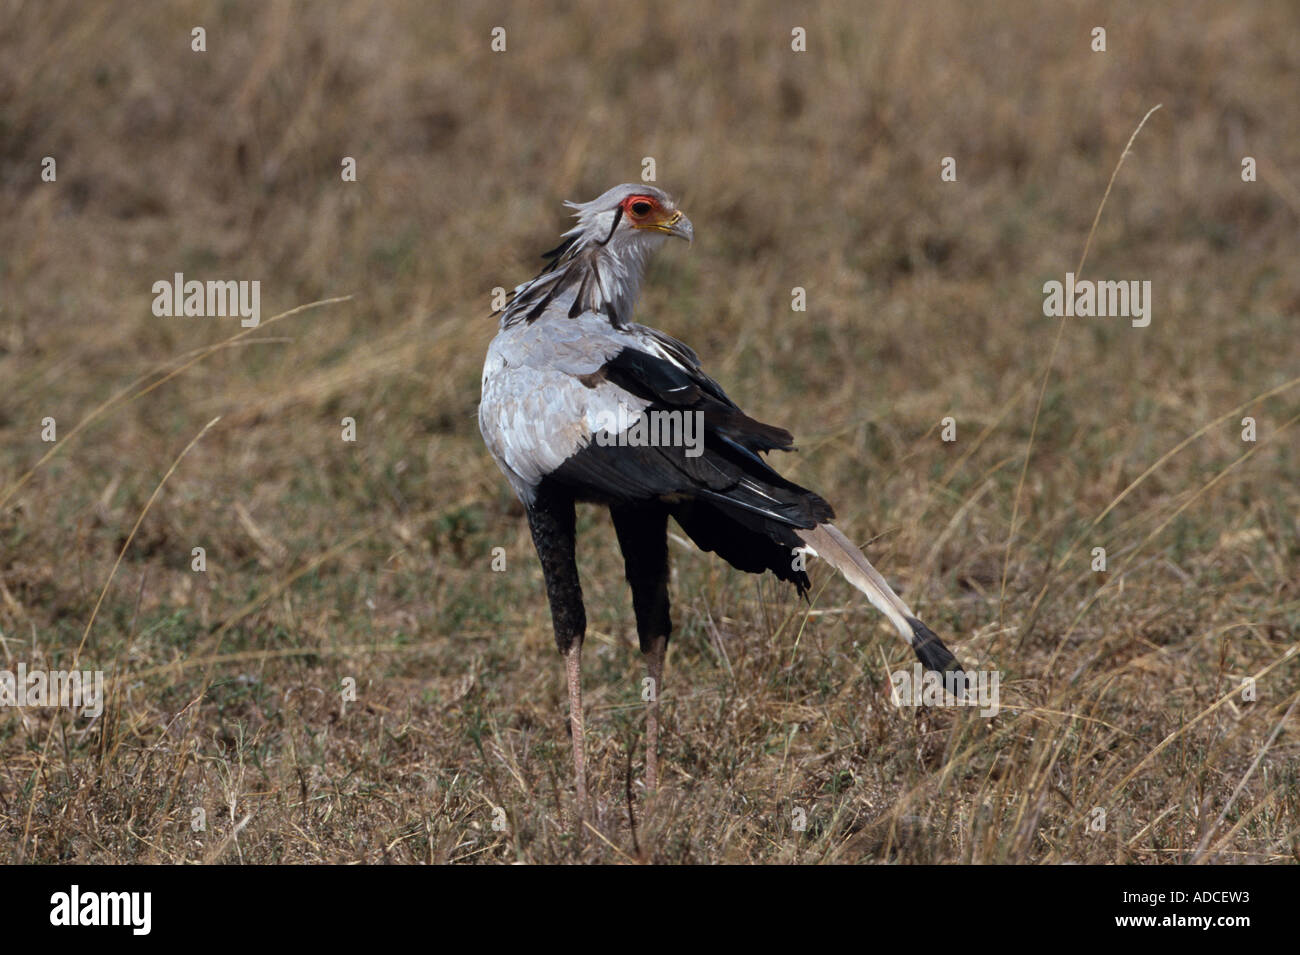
x=328 y=560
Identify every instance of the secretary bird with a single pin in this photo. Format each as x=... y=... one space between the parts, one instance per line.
x=570 y=378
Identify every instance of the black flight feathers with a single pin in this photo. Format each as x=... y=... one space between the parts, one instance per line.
x=723 y=490
x=670 y=386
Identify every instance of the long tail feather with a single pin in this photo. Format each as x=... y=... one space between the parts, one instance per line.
x=829 y=543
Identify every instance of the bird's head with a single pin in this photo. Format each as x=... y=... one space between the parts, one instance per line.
x=602 y=257
x=633 y=217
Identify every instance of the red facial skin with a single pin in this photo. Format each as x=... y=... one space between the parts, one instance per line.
x=631 y=201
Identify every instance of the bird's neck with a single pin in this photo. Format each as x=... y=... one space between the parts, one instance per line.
x=616 y=275
x=593 y=278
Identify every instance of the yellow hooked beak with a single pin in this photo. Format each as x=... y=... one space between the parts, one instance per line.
x=676 y=224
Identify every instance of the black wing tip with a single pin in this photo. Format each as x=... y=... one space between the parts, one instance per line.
x=930 y=650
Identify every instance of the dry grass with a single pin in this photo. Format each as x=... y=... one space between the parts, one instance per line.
x=371 y=560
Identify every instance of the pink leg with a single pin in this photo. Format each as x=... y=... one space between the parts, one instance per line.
x=573 y=666
x=655 y=667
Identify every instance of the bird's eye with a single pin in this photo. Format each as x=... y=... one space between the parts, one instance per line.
x=641 y=208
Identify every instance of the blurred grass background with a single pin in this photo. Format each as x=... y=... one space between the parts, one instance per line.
x=371 y=560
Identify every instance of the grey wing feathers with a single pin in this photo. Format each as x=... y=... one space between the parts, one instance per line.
x=537 y=408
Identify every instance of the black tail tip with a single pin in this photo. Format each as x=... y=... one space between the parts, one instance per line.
x=930 y=649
